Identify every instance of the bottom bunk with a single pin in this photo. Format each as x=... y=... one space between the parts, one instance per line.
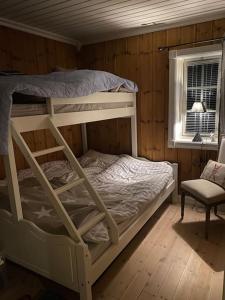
x=41 y=243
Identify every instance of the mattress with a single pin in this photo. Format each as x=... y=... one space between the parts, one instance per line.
x=126 y=185
x=96 y=250
x=31 y=109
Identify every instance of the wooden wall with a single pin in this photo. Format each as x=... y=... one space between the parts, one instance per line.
x=32 y=54
x=138 y=58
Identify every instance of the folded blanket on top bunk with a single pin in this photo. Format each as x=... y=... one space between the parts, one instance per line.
x=126 y=185
x=59 y=85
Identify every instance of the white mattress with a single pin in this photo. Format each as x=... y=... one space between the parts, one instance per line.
x=31 y=109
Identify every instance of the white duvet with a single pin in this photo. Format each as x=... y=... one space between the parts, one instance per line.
x=126 y=185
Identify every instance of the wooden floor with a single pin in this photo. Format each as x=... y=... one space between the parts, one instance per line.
x=167 y=260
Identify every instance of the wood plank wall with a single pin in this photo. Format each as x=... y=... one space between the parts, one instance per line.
x=138 y=58
x=33 y=54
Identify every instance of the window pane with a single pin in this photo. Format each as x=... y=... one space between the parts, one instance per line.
x=209 y=96
x=193 y=96
x=206 y=95
x=210 y=73
x=200 y=122
x=194 y=76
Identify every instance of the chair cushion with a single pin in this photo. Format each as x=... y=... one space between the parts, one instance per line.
x=214 y=172
x=206 y=191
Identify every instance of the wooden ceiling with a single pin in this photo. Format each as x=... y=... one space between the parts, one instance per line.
x=96 y=20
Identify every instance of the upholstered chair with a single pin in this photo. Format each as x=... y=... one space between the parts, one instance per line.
x=204 y=191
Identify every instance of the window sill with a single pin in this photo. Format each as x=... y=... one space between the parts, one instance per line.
x=188 y=144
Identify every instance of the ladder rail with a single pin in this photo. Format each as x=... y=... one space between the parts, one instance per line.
x=54 y=199
x=113 y=228
x=12 y=181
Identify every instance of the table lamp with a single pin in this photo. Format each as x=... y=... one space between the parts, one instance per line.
x=198 y=108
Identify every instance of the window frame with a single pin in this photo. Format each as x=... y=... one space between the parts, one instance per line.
x=195 y=61
x=178 y=60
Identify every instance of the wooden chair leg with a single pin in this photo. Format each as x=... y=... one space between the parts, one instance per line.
x=207 y=221
x=182 y=204
x=215 y=210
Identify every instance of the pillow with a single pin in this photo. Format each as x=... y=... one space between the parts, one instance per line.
x=215 y=172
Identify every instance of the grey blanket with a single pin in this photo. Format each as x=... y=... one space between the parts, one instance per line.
x=58 y=85
x=126 y=185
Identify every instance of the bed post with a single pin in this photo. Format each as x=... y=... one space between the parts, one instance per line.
x=84 y=268
x=134 y=132
x=175 y=177
x=12 y=181
x=84 y=137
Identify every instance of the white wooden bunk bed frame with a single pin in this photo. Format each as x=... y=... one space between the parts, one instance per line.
x=66 y=259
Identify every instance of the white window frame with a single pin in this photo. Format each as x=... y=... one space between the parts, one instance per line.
x=188 y=62
x=178 y=60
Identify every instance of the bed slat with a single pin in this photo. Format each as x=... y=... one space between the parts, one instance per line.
x=91 y=223
x=48 y=151
x=69 y=185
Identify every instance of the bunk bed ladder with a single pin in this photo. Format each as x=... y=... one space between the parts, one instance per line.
x=53 y=194
x=103 y=212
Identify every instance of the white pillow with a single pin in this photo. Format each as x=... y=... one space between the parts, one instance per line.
x=215 y=172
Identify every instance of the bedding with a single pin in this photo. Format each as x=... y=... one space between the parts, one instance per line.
x=126 y=185
x=58 y=85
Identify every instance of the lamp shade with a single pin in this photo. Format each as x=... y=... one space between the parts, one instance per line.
x=198 y=107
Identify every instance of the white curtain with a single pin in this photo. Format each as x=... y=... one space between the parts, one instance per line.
x=222 y=97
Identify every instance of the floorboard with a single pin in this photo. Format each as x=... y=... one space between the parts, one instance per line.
x=167 y=260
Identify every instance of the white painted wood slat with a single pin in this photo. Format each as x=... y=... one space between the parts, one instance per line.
x=98 y=20
x=48 y=151
x=97 y=98
x=45 y=8
x=20 y=6
x=156 y=15
x=12 y=181
x=101 y=9
x=15 y=5
x=69 y=185
x=91 y=223
x=122 y=12
x=91 y=34
x=73 y=6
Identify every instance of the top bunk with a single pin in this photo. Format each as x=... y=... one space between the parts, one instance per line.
x=70 y=111
x=74 y=97
x=24 y=105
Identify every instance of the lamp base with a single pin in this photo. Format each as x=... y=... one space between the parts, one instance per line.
x=197 y=138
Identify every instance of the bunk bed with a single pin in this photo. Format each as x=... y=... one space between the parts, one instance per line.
x=68 y=258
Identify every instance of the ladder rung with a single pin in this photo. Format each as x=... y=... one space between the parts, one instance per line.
x=47 y=151
x=69 y=185
x=91 y=223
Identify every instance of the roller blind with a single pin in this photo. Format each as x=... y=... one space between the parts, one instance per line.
x=201 y=86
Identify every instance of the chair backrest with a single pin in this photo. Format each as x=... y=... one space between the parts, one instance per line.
x=221 y=156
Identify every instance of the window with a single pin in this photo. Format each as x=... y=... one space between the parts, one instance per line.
x=194 y=96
